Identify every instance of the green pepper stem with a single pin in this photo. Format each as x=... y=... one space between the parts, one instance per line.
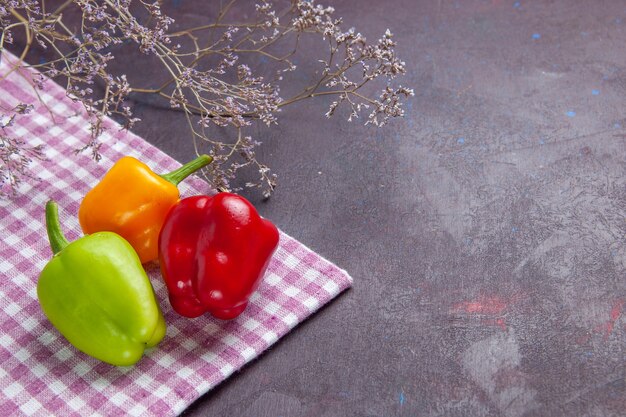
x=55 y=235
x=176 y=176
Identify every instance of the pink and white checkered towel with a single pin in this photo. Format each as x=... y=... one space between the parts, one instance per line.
x=40 y=372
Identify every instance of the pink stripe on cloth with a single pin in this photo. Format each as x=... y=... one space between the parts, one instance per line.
x=41 y=373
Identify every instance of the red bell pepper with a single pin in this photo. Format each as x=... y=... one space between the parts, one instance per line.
x=213 y=253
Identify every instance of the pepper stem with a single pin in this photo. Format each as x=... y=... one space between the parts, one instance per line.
x=55 y=235
x=176 y=176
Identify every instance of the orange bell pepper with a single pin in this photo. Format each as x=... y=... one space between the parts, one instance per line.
x=132 y=201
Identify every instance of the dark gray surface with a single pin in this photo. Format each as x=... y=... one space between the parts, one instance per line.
x=485 y=232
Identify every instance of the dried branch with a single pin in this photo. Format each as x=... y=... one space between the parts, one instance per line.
x=207 y=73
x=15 y=154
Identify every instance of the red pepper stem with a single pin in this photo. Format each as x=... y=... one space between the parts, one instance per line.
x=55 y=235
x=176 y=176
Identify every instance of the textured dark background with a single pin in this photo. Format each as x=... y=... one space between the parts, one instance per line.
x=485 y=231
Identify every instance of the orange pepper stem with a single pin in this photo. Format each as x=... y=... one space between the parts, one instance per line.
x=55 y=235
x=176 y=176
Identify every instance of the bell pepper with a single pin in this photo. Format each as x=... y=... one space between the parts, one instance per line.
x=96 y=293
x=213 y=252
x=132 y=201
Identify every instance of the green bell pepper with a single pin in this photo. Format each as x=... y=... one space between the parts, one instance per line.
x=96 y=293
